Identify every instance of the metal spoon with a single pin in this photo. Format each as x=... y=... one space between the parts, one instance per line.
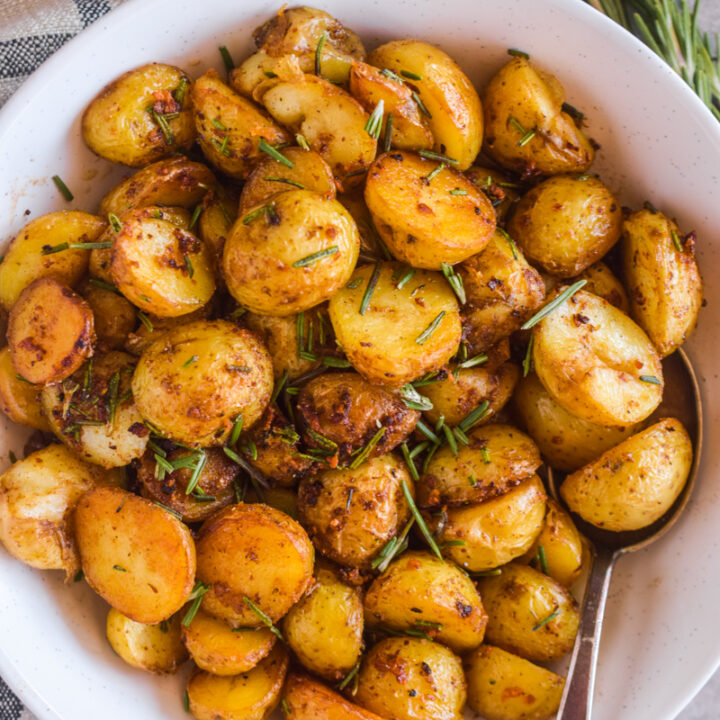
x=681 y=400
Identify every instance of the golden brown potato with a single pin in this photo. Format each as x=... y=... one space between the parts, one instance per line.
x=370 y=242
x=138 y=557
x=499 y=188
x=250 y=696
x=324 y=629
x=347 y=410
x=633 y=484
x=19 y=399
x=502 y=290
x=489 y=534
x=230 y=128
x=597 y=363
x=566 y=223
x=291 y=254
x=282 y=499
x=93 y=413
x=36 y=251
x=114 y=316
x=142 y=116
x=221 y=650
x=447 y=97
x=503 y=686
x=395 y=667
x=409 y=127
x=601 y=281
x=193 y=381
x=155 y=648
x=252 y=555
x=529 y=614
x=308 y=172
x=525 y=127
x=253 y=71
x=424 y=222
x=405 y=329
x=418 y=592
x=50 y=332
x=216 y=220
x=214 y=489
x=37 y=497
x=497 y=459
x=663 y=279
x=566 y=442
x=351 y=514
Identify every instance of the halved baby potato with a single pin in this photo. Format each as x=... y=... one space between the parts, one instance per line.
x=114 y=315
x=602 y=281
x=19 y=399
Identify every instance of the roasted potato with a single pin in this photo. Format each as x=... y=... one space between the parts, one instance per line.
x=253 y=557
x=37 y=498
x=597 y=363
x=253 y=71
x=392 y=331
x=50 y=332
x=489 y=534
x=526 y=128
x=142 y=116
x=155 y=648
x=503 y=686
x=427 y=218
x=37 y=251
x=351 y=513
x=409 y=678
x=635 y=483
x=497 y=459
x=282 y=499
x=114 y=316
x=19 y=399
x=138 y=557
x=529 y=614
x=370 y=242
x=219 y=213
x=347 y=410
x=663 y=279
x=601 y=281
x=194 y=381
x=501 y=191
x=446 y=96
x=291 y=254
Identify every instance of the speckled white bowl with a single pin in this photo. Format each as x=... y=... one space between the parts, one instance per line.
x=662 y=635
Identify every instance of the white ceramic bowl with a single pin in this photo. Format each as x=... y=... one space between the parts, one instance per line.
x=662 y=636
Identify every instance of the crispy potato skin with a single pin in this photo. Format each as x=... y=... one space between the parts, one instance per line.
x=590 y=356
x=396 y=665
x=254 y=551
x=664 y=284
x=566 y=442
x=155 y=648
x=24 y=260
x=420 y=592
x=382 y=343
x=446 y=92
x=497 y=459
x=252 y=695
x=261 y=256
x=135 y=555
x=633 y=484
x=502 y=292
x=516 y=602
x=117 y=126
x=221 y=650
x=37 y=498
x=197 y=403
x=50 y=332
x=353 y=534
x=421 y=223
x=324 y=629
x=503 y=686
x=19 y=400
x=566 y=223
x=534 y=99
x=114 y=316
x=347 y=409
x=500 y=189
x=601 y=281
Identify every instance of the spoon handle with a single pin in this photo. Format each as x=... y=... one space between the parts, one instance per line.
x=577 y=698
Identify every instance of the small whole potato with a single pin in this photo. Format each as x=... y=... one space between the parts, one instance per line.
x=19 y=399
x=114 y=316
x=290 y=254
x=219 y=213
x=566 y=223
x=194 y=381
x=424 y=222
x=635 y=483
x=499 y=188
x=409 y=678
x=142 y=116
x=601 y=281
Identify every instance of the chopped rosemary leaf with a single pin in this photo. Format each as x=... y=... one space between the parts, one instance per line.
x=421 y=106
x=346 y=680
x=528 y=360
x=285 y=707
x=264 y=210
x=263 y=617
x=455 y=282
x=351 y=492
x=62 y=187
x=250 y=448
x=460 y=436
x=453 y=543
x=195 y=216
x=144 y=320
x=370 y=289
x=651 y=379
x=572 y=111
x=551 y=306
x=405 y=278
x=354 y=284
x=676 y=240
x=300 y=333
x=450 y=437
x=196 y=596
x=419 y=519
x=186 y=701
x=91 y=246
x=161 y=464
x=162 y=123
x=310 y=259
x=473 y=361
x=510 y=242
x=542 y=558
x=429 y=457
x=274 y=153
x=52 y=249
x=525 y=139
x=218 y=123
x=413 y=399
x=410 y=75
x=19 y=377
x=374 y=122
x=301 y=140
x=305 y=355
x=112 y=392
x=200 y=462
x=392 y=76
x=330 y=361
x=167 y=509
x=407 y=455
x=221 y=147
x=394 y=547
x=322 y=441
x=119 y=568
x=189 y=266
x=458 y=191
x=518 y=53
x=256 y=477
x=226 y=58
x=387 y=142
x=435 y=172
x=515 y=124
x=427 y=432
x=287 y=181
x=424 y=336
x=236 y=429
x=179 y=91
x=473 y=417
x=114 y=222
x=427 y=379
x=104 y=285
x=362 y=456
x=430 y=155
x=485 y=453
x=191 y=360
x=318 y=54
x=544 y=622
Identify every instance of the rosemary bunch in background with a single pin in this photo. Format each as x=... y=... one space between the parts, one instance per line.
x=670 y=28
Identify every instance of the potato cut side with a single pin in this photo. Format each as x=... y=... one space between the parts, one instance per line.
x=19 y=400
